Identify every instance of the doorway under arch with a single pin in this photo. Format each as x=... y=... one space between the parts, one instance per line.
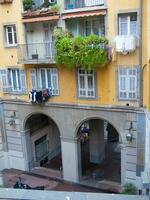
x=43 y=142
x=99 y=152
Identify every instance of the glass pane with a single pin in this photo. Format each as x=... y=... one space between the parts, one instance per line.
x=49 y=79
x=43 y=79
x=96 y=26
x=88 y=28
x=18 y=78
x=15 y=37
x=123 y=25
x=82 y=82
x=90 y=82
x=133 y=28
x=10 y=38
x=132 y=84
x=123 y=83
x=14 y=80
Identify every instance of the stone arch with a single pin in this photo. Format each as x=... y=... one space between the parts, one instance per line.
x=100 y=118
x=89 y=153
x=46 y=136
x=42 y=113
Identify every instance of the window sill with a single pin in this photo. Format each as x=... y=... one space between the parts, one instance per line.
x=87 y=98
x=15 y=93
x=126 y=100
x=11 y=46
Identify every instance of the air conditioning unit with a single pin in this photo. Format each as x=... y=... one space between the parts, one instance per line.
x=125 y=44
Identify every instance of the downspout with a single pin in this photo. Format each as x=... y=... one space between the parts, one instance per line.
x=140 y=54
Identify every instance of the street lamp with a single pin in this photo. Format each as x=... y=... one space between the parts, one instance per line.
x=129 y=136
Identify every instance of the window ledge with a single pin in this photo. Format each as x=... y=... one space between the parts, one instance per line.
x=11 y=46
x=15 y=93
x=87 y=98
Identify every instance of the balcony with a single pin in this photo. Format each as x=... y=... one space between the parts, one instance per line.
x=36 y=53
x=45 y=14
x=83 y=4
x=5 y=1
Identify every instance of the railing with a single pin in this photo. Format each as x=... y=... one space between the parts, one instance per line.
x=36 y=53
x=82 y=3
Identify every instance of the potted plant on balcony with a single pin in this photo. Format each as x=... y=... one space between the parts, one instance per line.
x=85 y=52
x=28 y=4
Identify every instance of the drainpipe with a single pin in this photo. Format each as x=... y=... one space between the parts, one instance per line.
x=140 y=54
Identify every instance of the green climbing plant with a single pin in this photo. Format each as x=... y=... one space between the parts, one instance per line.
x=129 y=188
x=27 y=4
x=85 y=52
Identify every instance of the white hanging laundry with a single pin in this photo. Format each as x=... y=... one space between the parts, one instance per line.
x=120 y=46
x=130 y=43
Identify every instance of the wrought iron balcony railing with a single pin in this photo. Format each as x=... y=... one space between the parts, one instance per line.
x=83 y=3
x=36 y=53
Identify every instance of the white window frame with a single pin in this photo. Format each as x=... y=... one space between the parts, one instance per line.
x=127 y=78
x=18 y=79
x=86 y=90
x=53 y=77
x=12 y=26
x=7 y=80
x=128 y=16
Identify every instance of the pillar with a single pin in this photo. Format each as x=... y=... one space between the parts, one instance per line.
x=1 y=179
x=69 y=148
x=96 y=142
x=123 y=163
x=27 y=149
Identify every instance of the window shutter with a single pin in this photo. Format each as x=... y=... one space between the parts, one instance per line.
x=132 y=75
x=54 y=79
x=123 y=81
x=23 y=80
x=82 y=83
x=4 y=78
x=33 y=79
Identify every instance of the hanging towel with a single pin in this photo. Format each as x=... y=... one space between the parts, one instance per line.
x=120 y=45
x=130 y=43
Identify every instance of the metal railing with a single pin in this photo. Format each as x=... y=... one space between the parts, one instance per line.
x=69 y=4
x=36 y=52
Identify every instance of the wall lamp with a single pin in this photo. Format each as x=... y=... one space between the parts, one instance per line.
x=12 y=121
x=129 y=136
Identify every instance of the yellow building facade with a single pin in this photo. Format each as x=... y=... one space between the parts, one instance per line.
x=110 y=100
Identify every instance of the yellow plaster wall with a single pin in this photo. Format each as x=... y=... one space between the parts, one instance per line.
x=106 y=77
x=10 y=14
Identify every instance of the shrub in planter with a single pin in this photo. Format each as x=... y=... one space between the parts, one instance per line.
x=129 y=188
x=85 y=52
x=27 y=4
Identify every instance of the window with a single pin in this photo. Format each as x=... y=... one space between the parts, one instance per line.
x=13 y=80
x=45 y=78
x=127 y=24
x=86 y=83
x=94 y=26
x=10 y=35
x=128 y=83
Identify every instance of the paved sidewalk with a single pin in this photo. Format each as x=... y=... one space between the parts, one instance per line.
x=11 y=176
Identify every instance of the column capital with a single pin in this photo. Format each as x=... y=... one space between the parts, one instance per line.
x=68 y=139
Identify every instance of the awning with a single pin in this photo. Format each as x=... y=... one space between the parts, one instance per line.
x=41 y=19
x=84 y=14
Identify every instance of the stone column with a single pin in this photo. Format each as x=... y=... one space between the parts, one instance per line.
x=1 y=178
x=96 y=142
x=27 y=148
x=69 y=148
x=123 y=163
